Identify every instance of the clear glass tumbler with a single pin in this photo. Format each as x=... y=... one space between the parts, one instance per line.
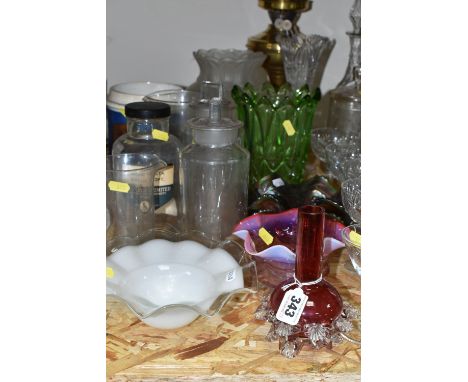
x=129 y=194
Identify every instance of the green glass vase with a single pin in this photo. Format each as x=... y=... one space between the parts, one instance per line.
x=268 y=115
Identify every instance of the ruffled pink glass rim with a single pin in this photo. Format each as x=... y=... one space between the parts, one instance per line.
x=276 y=263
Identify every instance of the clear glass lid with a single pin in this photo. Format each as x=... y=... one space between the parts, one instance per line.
x=215 y=130
x=174 y=97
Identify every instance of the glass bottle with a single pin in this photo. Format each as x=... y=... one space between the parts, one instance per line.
x=345 y=106
x=355 y=43
x=354 y=60
x=148 y=132
x=214 y=175
x=324 y=304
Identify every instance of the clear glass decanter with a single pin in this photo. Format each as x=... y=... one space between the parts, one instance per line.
x=354 y=60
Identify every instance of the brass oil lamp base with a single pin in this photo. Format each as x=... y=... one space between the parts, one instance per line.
x=266 y=41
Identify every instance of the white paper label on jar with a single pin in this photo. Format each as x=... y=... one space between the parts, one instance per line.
x=163 y=186
x=291 y=306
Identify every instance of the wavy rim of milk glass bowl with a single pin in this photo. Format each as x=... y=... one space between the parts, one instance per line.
x=349 y=192
x=233 y=245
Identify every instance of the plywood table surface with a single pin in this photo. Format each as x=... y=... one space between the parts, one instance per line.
x=228 y=347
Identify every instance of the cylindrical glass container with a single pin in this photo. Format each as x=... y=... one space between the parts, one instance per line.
x=129 y=194
x=180 y=102
x=215 y=173
x=148 y=132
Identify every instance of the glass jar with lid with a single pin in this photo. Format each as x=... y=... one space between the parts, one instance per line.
x=148 y=132
x=214 y=175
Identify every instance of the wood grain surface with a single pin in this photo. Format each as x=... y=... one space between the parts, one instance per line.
x=228 y=347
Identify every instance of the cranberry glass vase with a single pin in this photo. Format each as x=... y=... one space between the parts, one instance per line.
x=324 y=303
x=313 y=311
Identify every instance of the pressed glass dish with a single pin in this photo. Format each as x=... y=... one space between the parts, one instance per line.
x=171 y=279
x=353 y=246
x=351 y=197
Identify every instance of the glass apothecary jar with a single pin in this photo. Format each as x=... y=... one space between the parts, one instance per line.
x=148 y=132
x=215 y=174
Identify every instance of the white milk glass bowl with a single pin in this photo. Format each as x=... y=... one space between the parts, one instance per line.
x=168 y=284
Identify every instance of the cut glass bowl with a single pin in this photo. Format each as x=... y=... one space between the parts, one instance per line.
x=351 y=197
x=322 y=137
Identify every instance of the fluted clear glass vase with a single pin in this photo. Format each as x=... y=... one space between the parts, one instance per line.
x=278 y=126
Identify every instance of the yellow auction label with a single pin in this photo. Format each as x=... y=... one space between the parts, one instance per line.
x=118 y=186
x=265 y=236
x=288 y=126
x=355 y=238
x=161 y=135
x=109 y=272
